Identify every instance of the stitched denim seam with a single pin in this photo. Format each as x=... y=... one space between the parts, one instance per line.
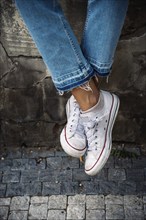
x=99 y=64
x=70 y=41
x=86 y=22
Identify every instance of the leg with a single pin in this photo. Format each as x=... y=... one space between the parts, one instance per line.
x=56 y=42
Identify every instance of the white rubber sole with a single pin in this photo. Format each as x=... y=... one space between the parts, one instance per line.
x=108 y=146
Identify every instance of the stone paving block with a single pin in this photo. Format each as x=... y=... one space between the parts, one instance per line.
x=114 y=199
x=77 y=199
x=50 y=188
x=95 y=202
x=23 y=164
x=49 y=175
x=95 y=214
x=20 y=203
x=80 y=175
x=141 y=188
x=135 y=174
x=11 y=177
x=127 y=187
x=114 y=211
x=101 y=176
x=123 y=162
x=39 y=199
x=64 y=175
x=10 y=153
x=144 y=199
x=5 y=201
x=108 y=187
x=116 y=174
x=19 y=189
x=29 y=176
x=5 y=164
x=76 y=211
x=70 y=162
x=133 y=201
x=133 y=214
x=4 y=212
x=69 y=188
x=37 y=152
x=38 y=211
x=2 y=190
x=88 y=187
x=18 y=215
x=57 y=202
x=1 y=176
x=54 y=163
x=60 y=154
x=56 y=215
x=139 y=163
x=145 y=210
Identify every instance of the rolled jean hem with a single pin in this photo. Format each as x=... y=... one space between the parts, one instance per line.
x=74 y=85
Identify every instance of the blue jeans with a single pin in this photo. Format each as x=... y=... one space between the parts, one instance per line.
x=69 y=63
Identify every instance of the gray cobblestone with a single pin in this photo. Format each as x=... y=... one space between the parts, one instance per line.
x=65 y=175
x=29 y=175
x=114 y=211
x=135 y=174
x=139 y=163
x=38 y=211
x=0 y=176
x=110 y=162
x=108 y=187
x=11 y=153
x=21 y=189
x=50 y=188
x=54 y=163
x=56 y=215
x=77 y=199
x=5 y=164
x=4 y=212
x=69 y=188
x=144 y=199
x=133 y=201
x=70 y=162
x=123 y=162
x=126 y=187
x=101 y=176
x=23 y=164
x=116 y=174
x=49 y=175
x=80 y=175
x=18 y=215
x=39 y=199
x=133 y=214
x=2 y=189
x=20 y=203
x=11 y=177
x=95 y=202
x=114 y=199
x=5 y=201
x=88 y=187
x=57 y=202
x=76 y=211
x=37 y=152
x=95 y=214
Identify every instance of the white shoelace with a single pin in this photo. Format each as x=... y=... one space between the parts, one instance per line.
x=92 y=129
x=75 y=126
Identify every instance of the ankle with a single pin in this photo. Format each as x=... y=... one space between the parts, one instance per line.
x=90 y=100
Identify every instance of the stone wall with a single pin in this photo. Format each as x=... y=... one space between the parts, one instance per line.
x=32 y=113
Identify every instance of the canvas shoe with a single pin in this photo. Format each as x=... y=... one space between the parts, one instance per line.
x=72 y=138
x=98 y=125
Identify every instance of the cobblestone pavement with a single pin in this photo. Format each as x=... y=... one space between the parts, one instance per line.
x=39 y=183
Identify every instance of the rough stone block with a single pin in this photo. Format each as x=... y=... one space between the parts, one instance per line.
x=114 y=211
x=5 y=164
x=77 y=199
x=69 y=188
x=20 y=203
x=88 y=187
x=37 y=152
x=110 y=162
x=133 y=201
x=131 y=213
x=29 y=176
x=95 y=202
x=57 y=202
x=127 y=187
x=76 y=211
x=95 y=214
x=139 y=163
x=101 y=176
x=116 y=174
x=54 y=163
x=70 y=162
x=56 y=214
x=123 y=163
x=135 y=174
x=109 y=187
x=11 y=177
x=65 y=175
x=38 y=211
x=2 y=190
x=114 y=199
x=80 y=175
x=18 y=215
x=39 y=199
x=50 y=188
x=4 y=212
x=5 y=201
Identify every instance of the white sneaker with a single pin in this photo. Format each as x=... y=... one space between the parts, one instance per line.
x=98 y=129
x=72 y=138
